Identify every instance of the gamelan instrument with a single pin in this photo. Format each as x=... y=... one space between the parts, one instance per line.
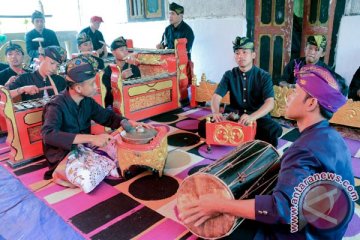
x=229 y=132
x=23 y=120
x=156 y=61
x=144 y=97
x=249 y=170
x=142 y=147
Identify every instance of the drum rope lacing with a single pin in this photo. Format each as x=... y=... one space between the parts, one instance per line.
x=241 y=176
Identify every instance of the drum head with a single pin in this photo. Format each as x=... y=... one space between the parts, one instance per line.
x=200 y=184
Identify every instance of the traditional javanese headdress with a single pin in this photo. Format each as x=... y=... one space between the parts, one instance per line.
x=118 y=43
x=56 y=53
x=12 y=47
x=243 y=43
x=319 y=83
x=81 y=68
x=82 y=38
x=317 y=40
x=37 y=14
x=176 y=8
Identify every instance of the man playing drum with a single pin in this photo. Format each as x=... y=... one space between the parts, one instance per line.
x=318 y=150
x=251 y=94
x=79 y=158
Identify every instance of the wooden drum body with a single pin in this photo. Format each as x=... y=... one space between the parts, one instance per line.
x=249 y=170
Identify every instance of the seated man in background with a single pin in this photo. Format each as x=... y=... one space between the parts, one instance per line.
x=14 y=56
x=122 y=59
x=44 y=82
x=96 y=36
x=251 y=94
x=302 y=204
x=177 y=29
x=50 y=38
x=69 y=147
x=354 y=89
x=85 y=47
x=314 y=50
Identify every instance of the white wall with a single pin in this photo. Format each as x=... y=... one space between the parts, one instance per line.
x=214 y=23
x=348 y=49
x=65 y=15
x=212 y=52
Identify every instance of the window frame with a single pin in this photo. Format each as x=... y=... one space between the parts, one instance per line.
x=145 y=14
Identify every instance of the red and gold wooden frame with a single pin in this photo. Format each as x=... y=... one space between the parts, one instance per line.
x=152 y=154
x=143 y=98
x=158 y=61
x=204 y=91
x=24 y=130
x=228 y=133
x=163 y=81
x=24 y=126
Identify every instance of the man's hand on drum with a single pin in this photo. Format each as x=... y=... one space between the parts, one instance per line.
x=246 y=119
x=200 y=211
x=100 y=140
x=218 y=117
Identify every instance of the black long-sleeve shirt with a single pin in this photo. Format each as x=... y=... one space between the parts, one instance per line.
x=248 y=90
x=106 y=79
x=6 y=74
x=50 y=39
x=95 y=37
x=183 y=30
x=63 y=119
x=36 y=79
x=3 y=66
x=355 y=86
x=288 y=74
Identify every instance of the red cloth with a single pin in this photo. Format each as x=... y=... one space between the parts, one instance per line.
x=96 y=19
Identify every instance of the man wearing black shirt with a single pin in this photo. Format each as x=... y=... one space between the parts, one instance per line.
x=85 y=47
x=14 y=56
x=314 y=50
x=354 y=89
x=251 y=93
x=177 y=29
x=39 y=31
x=43 y=82
x=67 y=121
x=96 y=36
x=3 y=66
x=123 y=60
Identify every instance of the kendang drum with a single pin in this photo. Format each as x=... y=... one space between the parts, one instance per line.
x=249 y=170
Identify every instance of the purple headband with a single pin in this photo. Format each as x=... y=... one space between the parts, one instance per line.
x=320 y=84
